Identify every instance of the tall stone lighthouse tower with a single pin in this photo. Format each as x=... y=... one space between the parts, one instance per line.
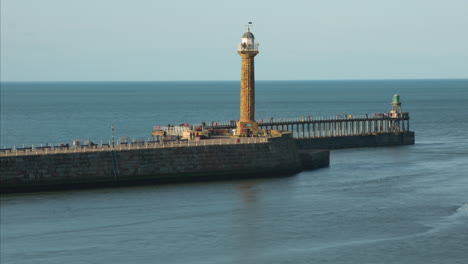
x=247 y=49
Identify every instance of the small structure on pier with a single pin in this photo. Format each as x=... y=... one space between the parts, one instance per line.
x=396 y=106
x=247 y=49
x=396 y=113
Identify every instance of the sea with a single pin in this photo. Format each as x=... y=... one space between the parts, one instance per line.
x=401 y=204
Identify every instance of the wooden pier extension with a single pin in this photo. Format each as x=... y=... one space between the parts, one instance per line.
x=338 y=126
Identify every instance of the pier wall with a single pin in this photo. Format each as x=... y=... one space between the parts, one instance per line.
x=278 y=157
x=359 y=141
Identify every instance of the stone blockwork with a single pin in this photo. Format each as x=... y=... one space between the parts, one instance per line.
x=278 y=157
x=314 y=159
x=247 y=86
x=377 y=140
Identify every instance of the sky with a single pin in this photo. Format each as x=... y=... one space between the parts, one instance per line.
x=183 y=40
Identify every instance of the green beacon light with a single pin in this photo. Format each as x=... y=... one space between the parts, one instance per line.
x=396 y=99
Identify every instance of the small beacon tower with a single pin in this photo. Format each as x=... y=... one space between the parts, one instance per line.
x=247 y=49
x=395 y=114
x=396 y=107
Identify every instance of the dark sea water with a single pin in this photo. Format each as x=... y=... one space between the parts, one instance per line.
x=406 y=204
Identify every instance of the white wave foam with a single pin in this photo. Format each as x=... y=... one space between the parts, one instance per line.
x=462 y=210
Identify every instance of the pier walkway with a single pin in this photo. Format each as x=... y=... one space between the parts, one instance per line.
x=318 y=127
x=215 y=140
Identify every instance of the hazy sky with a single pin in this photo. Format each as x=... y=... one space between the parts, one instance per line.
x=88 y=40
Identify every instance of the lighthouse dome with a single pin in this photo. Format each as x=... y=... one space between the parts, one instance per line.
x=248 y=34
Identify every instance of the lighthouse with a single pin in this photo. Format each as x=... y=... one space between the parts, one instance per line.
x=396 y=115
x=396 y=106
x=247 y=49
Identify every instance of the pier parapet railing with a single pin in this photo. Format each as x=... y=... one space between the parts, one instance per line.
x=27 y=151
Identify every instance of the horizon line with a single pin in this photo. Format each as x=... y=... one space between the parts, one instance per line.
x=262 y=80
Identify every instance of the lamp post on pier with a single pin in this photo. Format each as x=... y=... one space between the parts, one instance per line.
x=113 y=136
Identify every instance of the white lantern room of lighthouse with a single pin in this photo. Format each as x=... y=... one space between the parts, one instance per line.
x=248 y=42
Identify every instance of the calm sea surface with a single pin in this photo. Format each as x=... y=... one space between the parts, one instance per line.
x=405 y=204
